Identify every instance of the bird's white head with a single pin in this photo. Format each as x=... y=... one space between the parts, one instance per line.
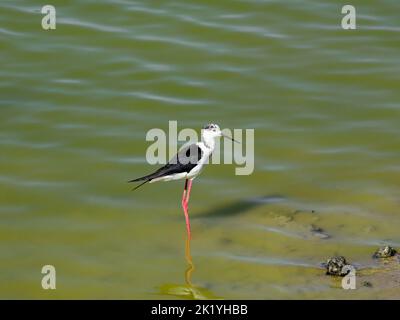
x=210 y=132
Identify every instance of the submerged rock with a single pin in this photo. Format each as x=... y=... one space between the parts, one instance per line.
x=226 y=241
x=334 y=266
x=318 y=232
x=384 y=252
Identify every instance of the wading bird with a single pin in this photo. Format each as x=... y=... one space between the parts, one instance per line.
x=187 y=164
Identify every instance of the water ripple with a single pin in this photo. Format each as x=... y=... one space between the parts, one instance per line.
x=91 y=25
x=168 y=100
x=265 y=260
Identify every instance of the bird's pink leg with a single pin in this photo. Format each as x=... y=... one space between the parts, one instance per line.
x=184 y=192
x=188 y=190
x=185 y=202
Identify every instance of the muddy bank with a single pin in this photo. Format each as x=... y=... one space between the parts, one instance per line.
x=381 y=277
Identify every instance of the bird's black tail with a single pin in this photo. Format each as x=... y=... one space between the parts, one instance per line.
x=145 y=179
x=138 y=186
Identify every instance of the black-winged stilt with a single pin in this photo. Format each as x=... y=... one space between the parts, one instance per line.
x=187 y=164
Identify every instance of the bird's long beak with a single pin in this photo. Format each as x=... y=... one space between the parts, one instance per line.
x=228 y=137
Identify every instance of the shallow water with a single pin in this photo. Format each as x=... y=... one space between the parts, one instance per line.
x=77 y=102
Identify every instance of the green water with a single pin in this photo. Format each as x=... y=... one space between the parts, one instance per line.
x=75 y=106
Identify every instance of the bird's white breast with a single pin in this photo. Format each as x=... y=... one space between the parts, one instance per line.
x=200 y=165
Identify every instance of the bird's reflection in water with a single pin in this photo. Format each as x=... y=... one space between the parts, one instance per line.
x=190 y=267
x=187 y=290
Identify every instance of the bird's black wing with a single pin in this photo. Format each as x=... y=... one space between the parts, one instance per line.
x=184 y=161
